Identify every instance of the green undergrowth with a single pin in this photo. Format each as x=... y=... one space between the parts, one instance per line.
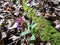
x=44 y=28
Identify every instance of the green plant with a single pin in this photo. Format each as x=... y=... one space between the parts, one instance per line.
x=46 y=31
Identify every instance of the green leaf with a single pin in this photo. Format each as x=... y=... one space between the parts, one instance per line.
x=33 y=26
x=32 y=38
x=25 y=32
